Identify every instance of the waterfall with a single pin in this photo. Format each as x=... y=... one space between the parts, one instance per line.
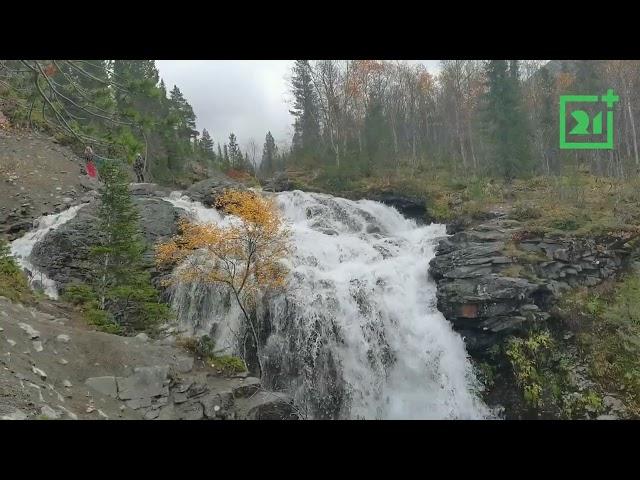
x=21 y=248
x=357 y=333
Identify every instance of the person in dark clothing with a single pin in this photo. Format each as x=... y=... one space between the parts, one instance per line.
x=138 y=167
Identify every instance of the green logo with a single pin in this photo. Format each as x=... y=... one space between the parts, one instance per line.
x=587 y=134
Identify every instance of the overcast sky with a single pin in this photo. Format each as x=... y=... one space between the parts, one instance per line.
x=246 y=97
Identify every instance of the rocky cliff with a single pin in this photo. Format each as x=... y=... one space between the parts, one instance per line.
x=496 y=279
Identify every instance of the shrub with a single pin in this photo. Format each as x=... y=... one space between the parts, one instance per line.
x=528 y=357
x=227 y=364
x=13 y=282
x=525 y=211
x=79 y=294
x=102 y=320
x=85 y=297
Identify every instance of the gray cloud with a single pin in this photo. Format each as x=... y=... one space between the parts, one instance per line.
x=246 y=97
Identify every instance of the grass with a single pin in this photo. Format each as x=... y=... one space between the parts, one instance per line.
x=607 y=322
x=204 y=348
x=575 y=202
x=542 y=368
x=83 y=297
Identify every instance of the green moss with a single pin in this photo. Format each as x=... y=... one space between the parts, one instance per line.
x=228 y=364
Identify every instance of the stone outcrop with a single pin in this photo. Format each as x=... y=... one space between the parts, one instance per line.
x=409 y=206
x=495 y=279
x=63 y=253
x=71 y=372
x=280 y=182
x=208 y=190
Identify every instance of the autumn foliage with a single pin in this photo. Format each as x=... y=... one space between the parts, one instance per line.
x=245 y=254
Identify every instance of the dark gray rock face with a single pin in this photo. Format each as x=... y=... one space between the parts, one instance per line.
x=207 y=191
x=64 y=253
x=278 y=183
x=488 y=292
x=411 y=207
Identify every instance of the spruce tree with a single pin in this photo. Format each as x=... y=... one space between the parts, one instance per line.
x=225 y=159
x=122 y=283
x=235 y=157
x=306 y=137
x=206 y=143
x=505 y=120
x=269 y=155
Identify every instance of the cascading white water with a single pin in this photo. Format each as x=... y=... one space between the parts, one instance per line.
x=21 y=248
x=357 y=334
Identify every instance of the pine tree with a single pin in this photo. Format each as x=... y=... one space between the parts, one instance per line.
x=182 y=114
x=206 y=143
x=122 y=283
x=235 y=157
x=505 y=122
x=225 y=158
x=220 y=158
x=306 y=137
x=269 y=155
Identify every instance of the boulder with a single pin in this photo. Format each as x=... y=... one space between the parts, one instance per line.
x=105 y=385
x=146 y=382
x=278 y=183
x=64 y=253
x=269 y=406
x=208 y=190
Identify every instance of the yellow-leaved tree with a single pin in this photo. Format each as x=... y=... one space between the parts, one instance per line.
x=244 y=254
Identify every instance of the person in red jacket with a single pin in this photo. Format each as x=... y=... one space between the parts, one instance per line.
x=88 y=157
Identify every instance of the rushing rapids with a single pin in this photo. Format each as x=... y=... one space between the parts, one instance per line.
x=21 y=248
x=357 y=334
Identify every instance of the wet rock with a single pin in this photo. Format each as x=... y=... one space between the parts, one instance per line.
x=207 y=191
x=269 y=406
x=105 y=385
x=151 y=415
x=278 y=183
x=145 y=382
x=29 y=330
x=15 y=414
x=64 y=253
x=189 y=411
x=143 y=337
x=49 y=412
x=197 y=389
x=218 y=405
x=184 y=364
x=482 y=295
x=248 y=387
x=138 y=403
